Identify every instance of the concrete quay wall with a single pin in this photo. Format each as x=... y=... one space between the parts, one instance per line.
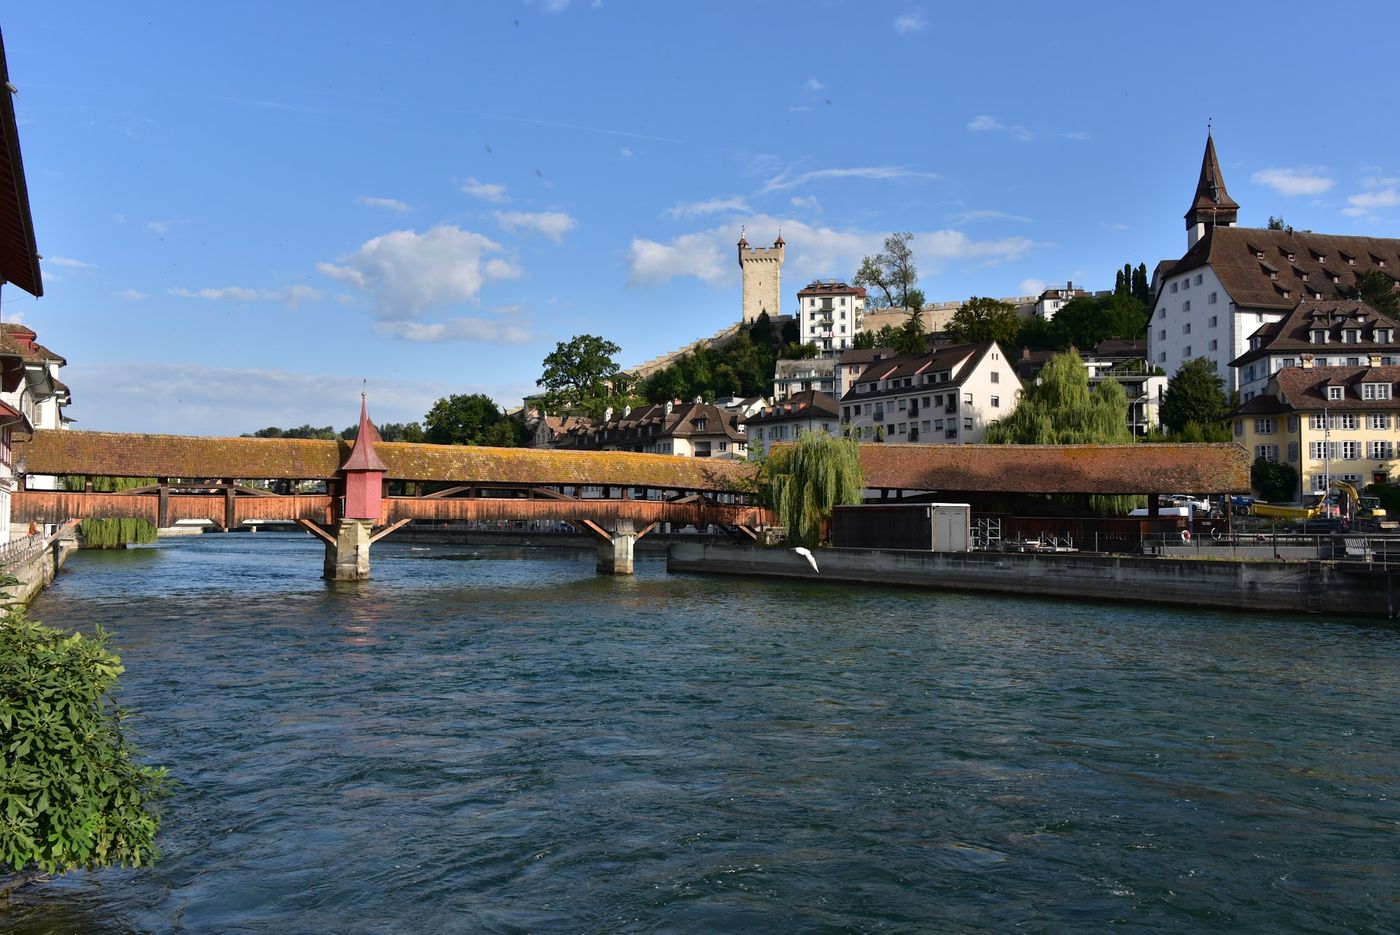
x=1287 y=587
x=37 y=571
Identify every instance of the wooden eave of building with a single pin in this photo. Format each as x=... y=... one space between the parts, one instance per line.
x=1068 y=469
x=19 y=252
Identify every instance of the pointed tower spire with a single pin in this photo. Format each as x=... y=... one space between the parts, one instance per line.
x=363 y=472
x=1212 y=206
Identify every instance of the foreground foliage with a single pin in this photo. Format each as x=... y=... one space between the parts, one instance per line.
x=72 y=795
x=803 y=482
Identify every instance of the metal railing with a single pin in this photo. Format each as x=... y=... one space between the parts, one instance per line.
x=17 y=551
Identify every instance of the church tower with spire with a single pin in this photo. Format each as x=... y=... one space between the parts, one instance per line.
x=763 y=277
x=1212 y=206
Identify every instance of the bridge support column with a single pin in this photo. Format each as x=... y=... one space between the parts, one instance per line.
x=615 y=552
x=347 y=555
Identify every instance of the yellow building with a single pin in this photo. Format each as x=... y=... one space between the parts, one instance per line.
x=1329 y=423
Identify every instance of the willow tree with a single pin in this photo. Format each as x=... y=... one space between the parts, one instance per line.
x=805 y=481
x=1060 y=408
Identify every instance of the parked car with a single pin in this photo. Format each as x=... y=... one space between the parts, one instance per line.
x=1181 y=499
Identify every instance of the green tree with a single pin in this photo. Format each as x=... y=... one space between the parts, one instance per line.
x=72 y=794
x=983 y=319
x=911 y=338
x=581 y=376
x=1274 y=480
x=1087 y=320
x=1060 y=408
x=461 y=419
x=891 y=275
x=799 y=351
x=325 y=432
x=864 y=341
x=803 y=482
x=1277 y=224
x=1141 y=289
x=1194 y=394
x=1377 y=290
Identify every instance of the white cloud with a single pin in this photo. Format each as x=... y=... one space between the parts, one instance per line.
x=553 y=6
x=1364 y=203
x=812 y=251
x=291 y=295
x=131 y=295
x=391 y=204
x=989 y=215
x=189 y=399
x=800 y=109
x=910 y=23
x=697 y=255
x=1032 y=286
x=66 y=261
x=1304 y=181
x=814 y=85
x=408 y=272
x=552 y=224
x=1077 y=135
x=783 y=181
x=161 y=227
x=489 y=330
x=485 y=191
x=808 y=202
x=626 y=153
x=692 y=209
x=985 y=123
x=119 y=218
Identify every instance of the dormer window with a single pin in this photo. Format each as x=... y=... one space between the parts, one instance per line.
x=1375 y=391
x=1384 y=335
x=1334 y=393
x=1319 y=336
x=699 y=425
x=1351 y=336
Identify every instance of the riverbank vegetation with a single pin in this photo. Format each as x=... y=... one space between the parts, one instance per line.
x=805 y=481
x=72 y=794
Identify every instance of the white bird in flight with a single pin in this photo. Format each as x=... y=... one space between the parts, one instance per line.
x=811 y=560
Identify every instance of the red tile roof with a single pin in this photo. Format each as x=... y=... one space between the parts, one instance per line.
x=1077 y=469
x=1296 y=389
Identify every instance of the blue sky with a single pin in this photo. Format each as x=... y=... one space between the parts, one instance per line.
x=248 y=209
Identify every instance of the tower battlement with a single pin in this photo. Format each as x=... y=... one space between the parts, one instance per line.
x=762 y=269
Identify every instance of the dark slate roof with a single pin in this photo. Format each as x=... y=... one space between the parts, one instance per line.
x=19 y=254
x=1294 y=332
x=1271 y=269
x=118 y=454
x=1078 y=469
x=863 y=355
x=1299 y=389
x=648 y=424
x=1212 y=202
x=809 y=404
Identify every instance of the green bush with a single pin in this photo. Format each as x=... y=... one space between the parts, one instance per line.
x=72 y=795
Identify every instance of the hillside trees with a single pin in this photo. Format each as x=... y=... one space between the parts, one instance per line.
x=983 y=319
x=470 y=419
x=1085 y=321
x=889 y=276
x=1062 y=409
x=803 y=482
x=580 y=375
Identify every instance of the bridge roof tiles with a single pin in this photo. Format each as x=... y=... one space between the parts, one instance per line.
x=120 y=454
x=1076 y=469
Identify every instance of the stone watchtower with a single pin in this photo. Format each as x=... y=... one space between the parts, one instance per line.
x=763 y=278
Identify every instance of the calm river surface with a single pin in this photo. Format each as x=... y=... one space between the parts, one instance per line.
x=507 y=745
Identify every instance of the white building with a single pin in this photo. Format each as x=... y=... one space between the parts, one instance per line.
x=1344 y=333
x=1053 y=299
x=796 y=376
x=830 y=314
x=31 y=388
x=789 y=420
x=947 y=396
x=1232 y=280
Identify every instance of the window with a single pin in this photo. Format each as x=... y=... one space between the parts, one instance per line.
x=1292 y=423
x=1383 y=335
x=903 y=404
x=1173 y=287
x=967 y=400
x=1375 y=391
x=1162 y=357
x=996 y=402
x=1378 y=420
x=1162 y=336
x=1292 y=452
x=1186 y=306
x=1214 y=320
x=1267 y=452
x=1162 y=312
x=1198 y=279
x=967 y=424
x=699 y=425
x=1315 y=423
x=1186 y=354
x=1214 y=344
x=996 y=377
x=1239 y=427
x=1351 y=336
x=1351 y=451
x=1334 y=393
x=1379 y=450
x=1319 y=336
x=1210 y=299
x=1264 y=426
x=1186 y=328
x=1318 y=450
x=1347 y=421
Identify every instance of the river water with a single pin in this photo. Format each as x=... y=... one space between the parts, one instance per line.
x=478 y=741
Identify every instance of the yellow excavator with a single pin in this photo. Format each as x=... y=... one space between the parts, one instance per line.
x=1360 y=507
